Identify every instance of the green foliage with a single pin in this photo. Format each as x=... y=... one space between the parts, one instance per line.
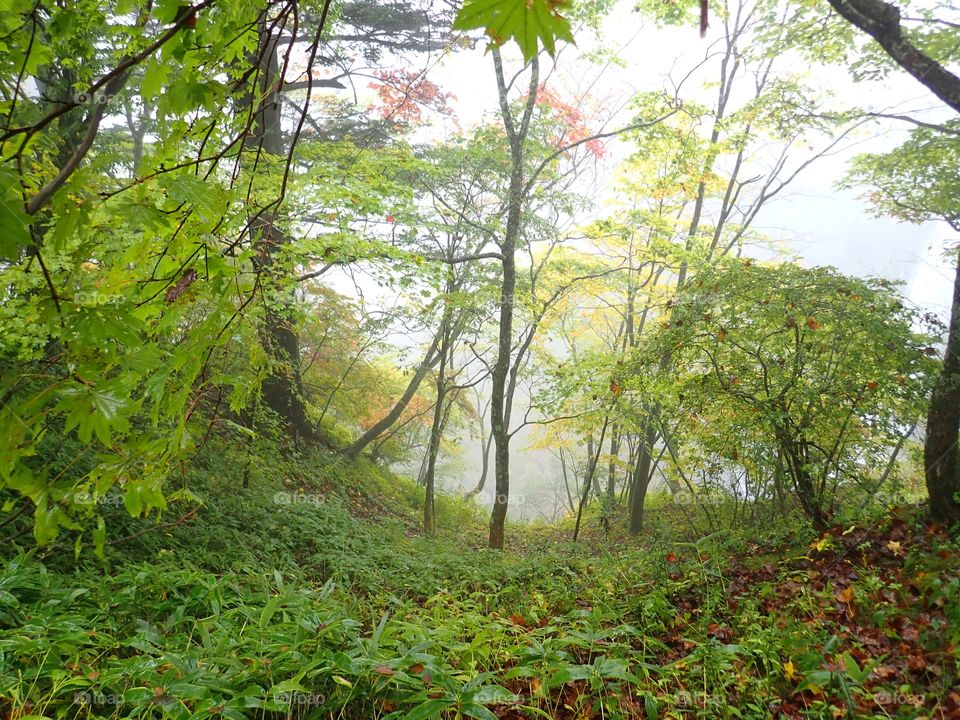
x=721 y=626
x=917 y=180
x=804 y=371
x=529 y=22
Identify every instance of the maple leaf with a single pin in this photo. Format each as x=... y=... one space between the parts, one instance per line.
x=528 y=22
x=895 y=547
x=789 y=670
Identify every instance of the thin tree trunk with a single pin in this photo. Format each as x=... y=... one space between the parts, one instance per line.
x=566 y=481
x=383 y=424
x=612 y=465
x=436 y=430
x=588 y=481
x=485 y=442
x=499 y=412
x=941 y=456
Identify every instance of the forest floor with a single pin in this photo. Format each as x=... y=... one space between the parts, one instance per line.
x=312 y=595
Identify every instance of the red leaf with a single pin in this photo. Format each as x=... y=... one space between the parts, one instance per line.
x=182 y=284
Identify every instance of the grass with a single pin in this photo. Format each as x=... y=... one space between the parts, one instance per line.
x=333 y=606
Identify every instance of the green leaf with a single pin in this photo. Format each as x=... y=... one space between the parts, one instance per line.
x=477 y=711
x=429 y=709
x=14 y=222
x=651 y=707
x=528 y=22
x=268 y=610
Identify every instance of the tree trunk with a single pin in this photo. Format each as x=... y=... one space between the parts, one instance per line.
x=612 y=465
x=501 y=434
x=588 y=480
x=642 y=473
x=436 y=430
x=283 y=390
x=485 y=442
x=941 y=456
x=803 y=484
x=499 y=412
x=383 y=424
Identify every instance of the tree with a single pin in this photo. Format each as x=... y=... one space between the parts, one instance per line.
x=693 y=189
x=825 y=368
x=923 y=53
x=917 y=182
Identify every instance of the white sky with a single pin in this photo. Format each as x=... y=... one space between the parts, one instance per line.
x=820 y=223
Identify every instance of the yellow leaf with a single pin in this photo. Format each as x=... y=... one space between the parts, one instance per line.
x=821 y=544
x=845 y=595
x=789 y=670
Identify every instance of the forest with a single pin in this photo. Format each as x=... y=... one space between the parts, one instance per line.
x=494 y=359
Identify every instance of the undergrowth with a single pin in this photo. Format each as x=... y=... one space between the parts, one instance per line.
x=309 y=594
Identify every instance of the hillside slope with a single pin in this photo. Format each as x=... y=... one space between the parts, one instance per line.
x=304 y=596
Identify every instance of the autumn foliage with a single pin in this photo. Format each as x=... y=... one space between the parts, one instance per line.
x=404 y=96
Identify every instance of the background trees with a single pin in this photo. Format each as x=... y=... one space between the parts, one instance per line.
x=819 y=372
x=236 y=220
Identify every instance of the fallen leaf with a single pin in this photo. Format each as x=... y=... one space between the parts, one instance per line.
x=845 y=595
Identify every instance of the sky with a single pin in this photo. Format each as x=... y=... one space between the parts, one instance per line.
x=819 y=222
